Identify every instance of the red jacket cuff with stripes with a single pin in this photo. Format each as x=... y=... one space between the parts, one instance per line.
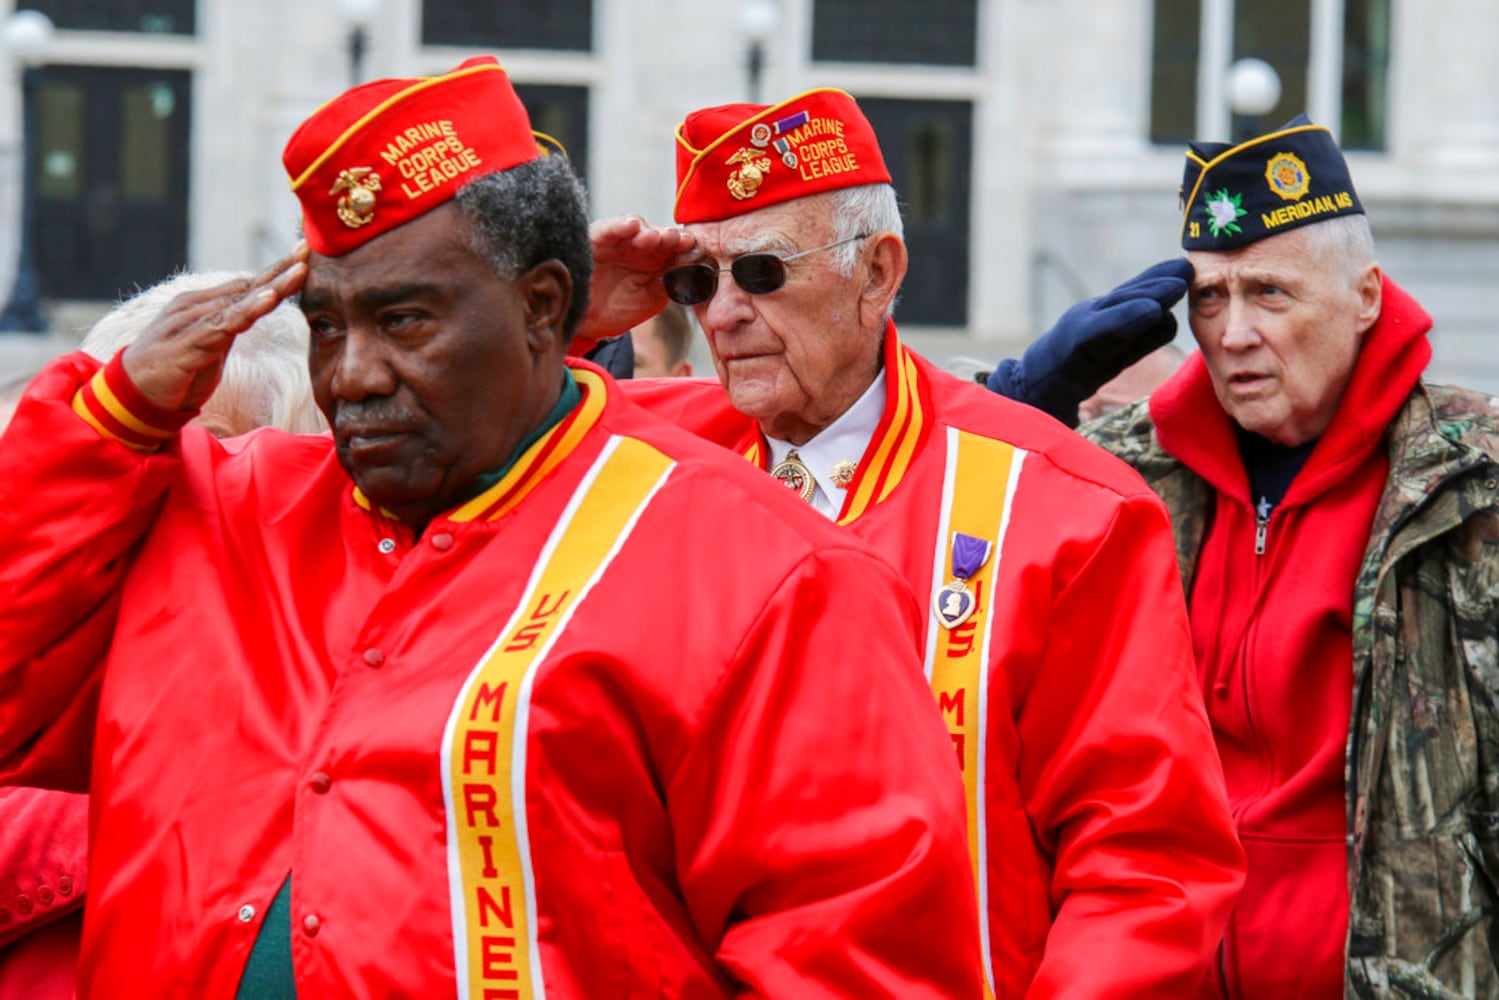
x=117 y=409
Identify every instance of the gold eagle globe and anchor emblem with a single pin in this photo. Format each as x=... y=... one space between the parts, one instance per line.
x=357 y=206
x=795 y=476
x=745 y=182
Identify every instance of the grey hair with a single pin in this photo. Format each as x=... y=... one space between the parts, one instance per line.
x=265 y=381
x=868 y=208
x=1346 y=241
x=531 y=213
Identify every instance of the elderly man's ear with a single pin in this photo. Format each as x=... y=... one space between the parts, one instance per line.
x=885 y=269
x=1370 y=295
x=547 y=290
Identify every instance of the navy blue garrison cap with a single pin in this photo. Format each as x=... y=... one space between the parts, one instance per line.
x=1233 y=195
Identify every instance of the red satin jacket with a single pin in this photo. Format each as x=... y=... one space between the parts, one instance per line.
x=631 y=722
x=1108 y=859
x=43 y=877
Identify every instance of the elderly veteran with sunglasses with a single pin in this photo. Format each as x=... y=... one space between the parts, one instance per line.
x=1055 y=639
x=1337 y=527
x=379 y=715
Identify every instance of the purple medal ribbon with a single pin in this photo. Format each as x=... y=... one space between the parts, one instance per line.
x=968 y=554
x=793 y=121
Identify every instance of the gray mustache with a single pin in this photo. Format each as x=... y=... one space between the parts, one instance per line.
x=377 y=413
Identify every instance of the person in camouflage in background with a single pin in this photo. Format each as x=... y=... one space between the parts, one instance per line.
x=1331 y=508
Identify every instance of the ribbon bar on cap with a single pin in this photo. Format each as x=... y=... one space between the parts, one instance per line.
x=737 y=158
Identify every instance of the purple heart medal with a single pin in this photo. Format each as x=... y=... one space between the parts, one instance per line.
x=955 y=603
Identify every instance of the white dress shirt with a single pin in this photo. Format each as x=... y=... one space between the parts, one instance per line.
x=844 y=440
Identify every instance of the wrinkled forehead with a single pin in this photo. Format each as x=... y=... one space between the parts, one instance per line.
x=783 y=229
x=1283 y=255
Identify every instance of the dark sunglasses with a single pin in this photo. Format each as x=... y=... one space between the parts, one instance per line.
x=756 y=273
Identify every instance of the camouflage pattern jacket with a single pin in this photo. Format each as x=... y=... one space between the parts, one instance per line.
x=1422 y=764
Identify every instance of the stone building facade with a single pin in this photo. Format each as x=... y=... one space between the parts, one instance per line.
x=1037 y=143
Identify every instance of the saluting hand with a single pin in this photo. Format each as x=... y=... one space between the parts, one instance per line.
x=1095 y=340
x=629 y=257
x=177 y=361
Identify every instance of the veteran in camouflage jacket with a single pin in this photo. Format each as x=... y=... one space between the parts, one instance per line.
x=1422 y=767
x=1336 y=522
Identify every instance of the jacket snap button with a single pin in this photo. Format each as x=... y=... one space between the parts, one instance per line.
x=23 y=903
x=374 y=657
x=246 y=913
x=320 y=782
x=311 y=925
x=64 y=885
x=43 y=895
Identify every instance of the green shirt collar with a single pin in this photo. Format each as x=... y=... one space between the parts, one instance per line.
x=567 y=400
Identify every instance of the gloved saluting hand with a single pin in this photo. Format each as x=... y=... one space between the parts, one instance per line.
x=1095 y=340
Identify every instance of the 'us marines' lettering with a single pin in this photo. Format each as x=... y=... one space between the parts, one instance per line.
x=481 y=746
x=961 y=639
x=527 y=635
x=951 y=703
x=495 y=909
x=480 y=764
x=485 y=745
x=498 y=963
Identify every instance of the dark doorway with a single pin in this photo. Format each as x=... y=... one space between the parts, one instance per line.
x=111 y=174
x=928 y=146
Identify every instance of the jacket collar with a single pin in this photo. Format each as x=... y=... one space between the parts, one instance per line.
x=902 y=430
x=537 y=461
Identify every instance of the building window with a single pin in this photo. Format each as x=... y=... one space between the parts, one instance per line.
x=928 y=146
x=934 y=32
x=562 y=113
x=1340 y=72
x=112 y=169
x=152 y=17
x=1366 y=73
x=1173 y=71
x=565 y=25
x=1280 y=33
x=59 y=140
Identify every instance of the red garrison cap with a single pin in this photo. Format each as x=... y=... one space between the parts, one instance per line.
x=388 y=151
x=737 y=158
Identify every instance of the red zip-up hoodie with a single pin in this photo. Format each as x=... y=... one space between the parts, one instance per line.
x=1271 y=607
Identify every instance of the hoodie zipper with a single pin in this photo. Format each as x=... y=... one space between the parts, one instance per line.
x=1261 y=526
